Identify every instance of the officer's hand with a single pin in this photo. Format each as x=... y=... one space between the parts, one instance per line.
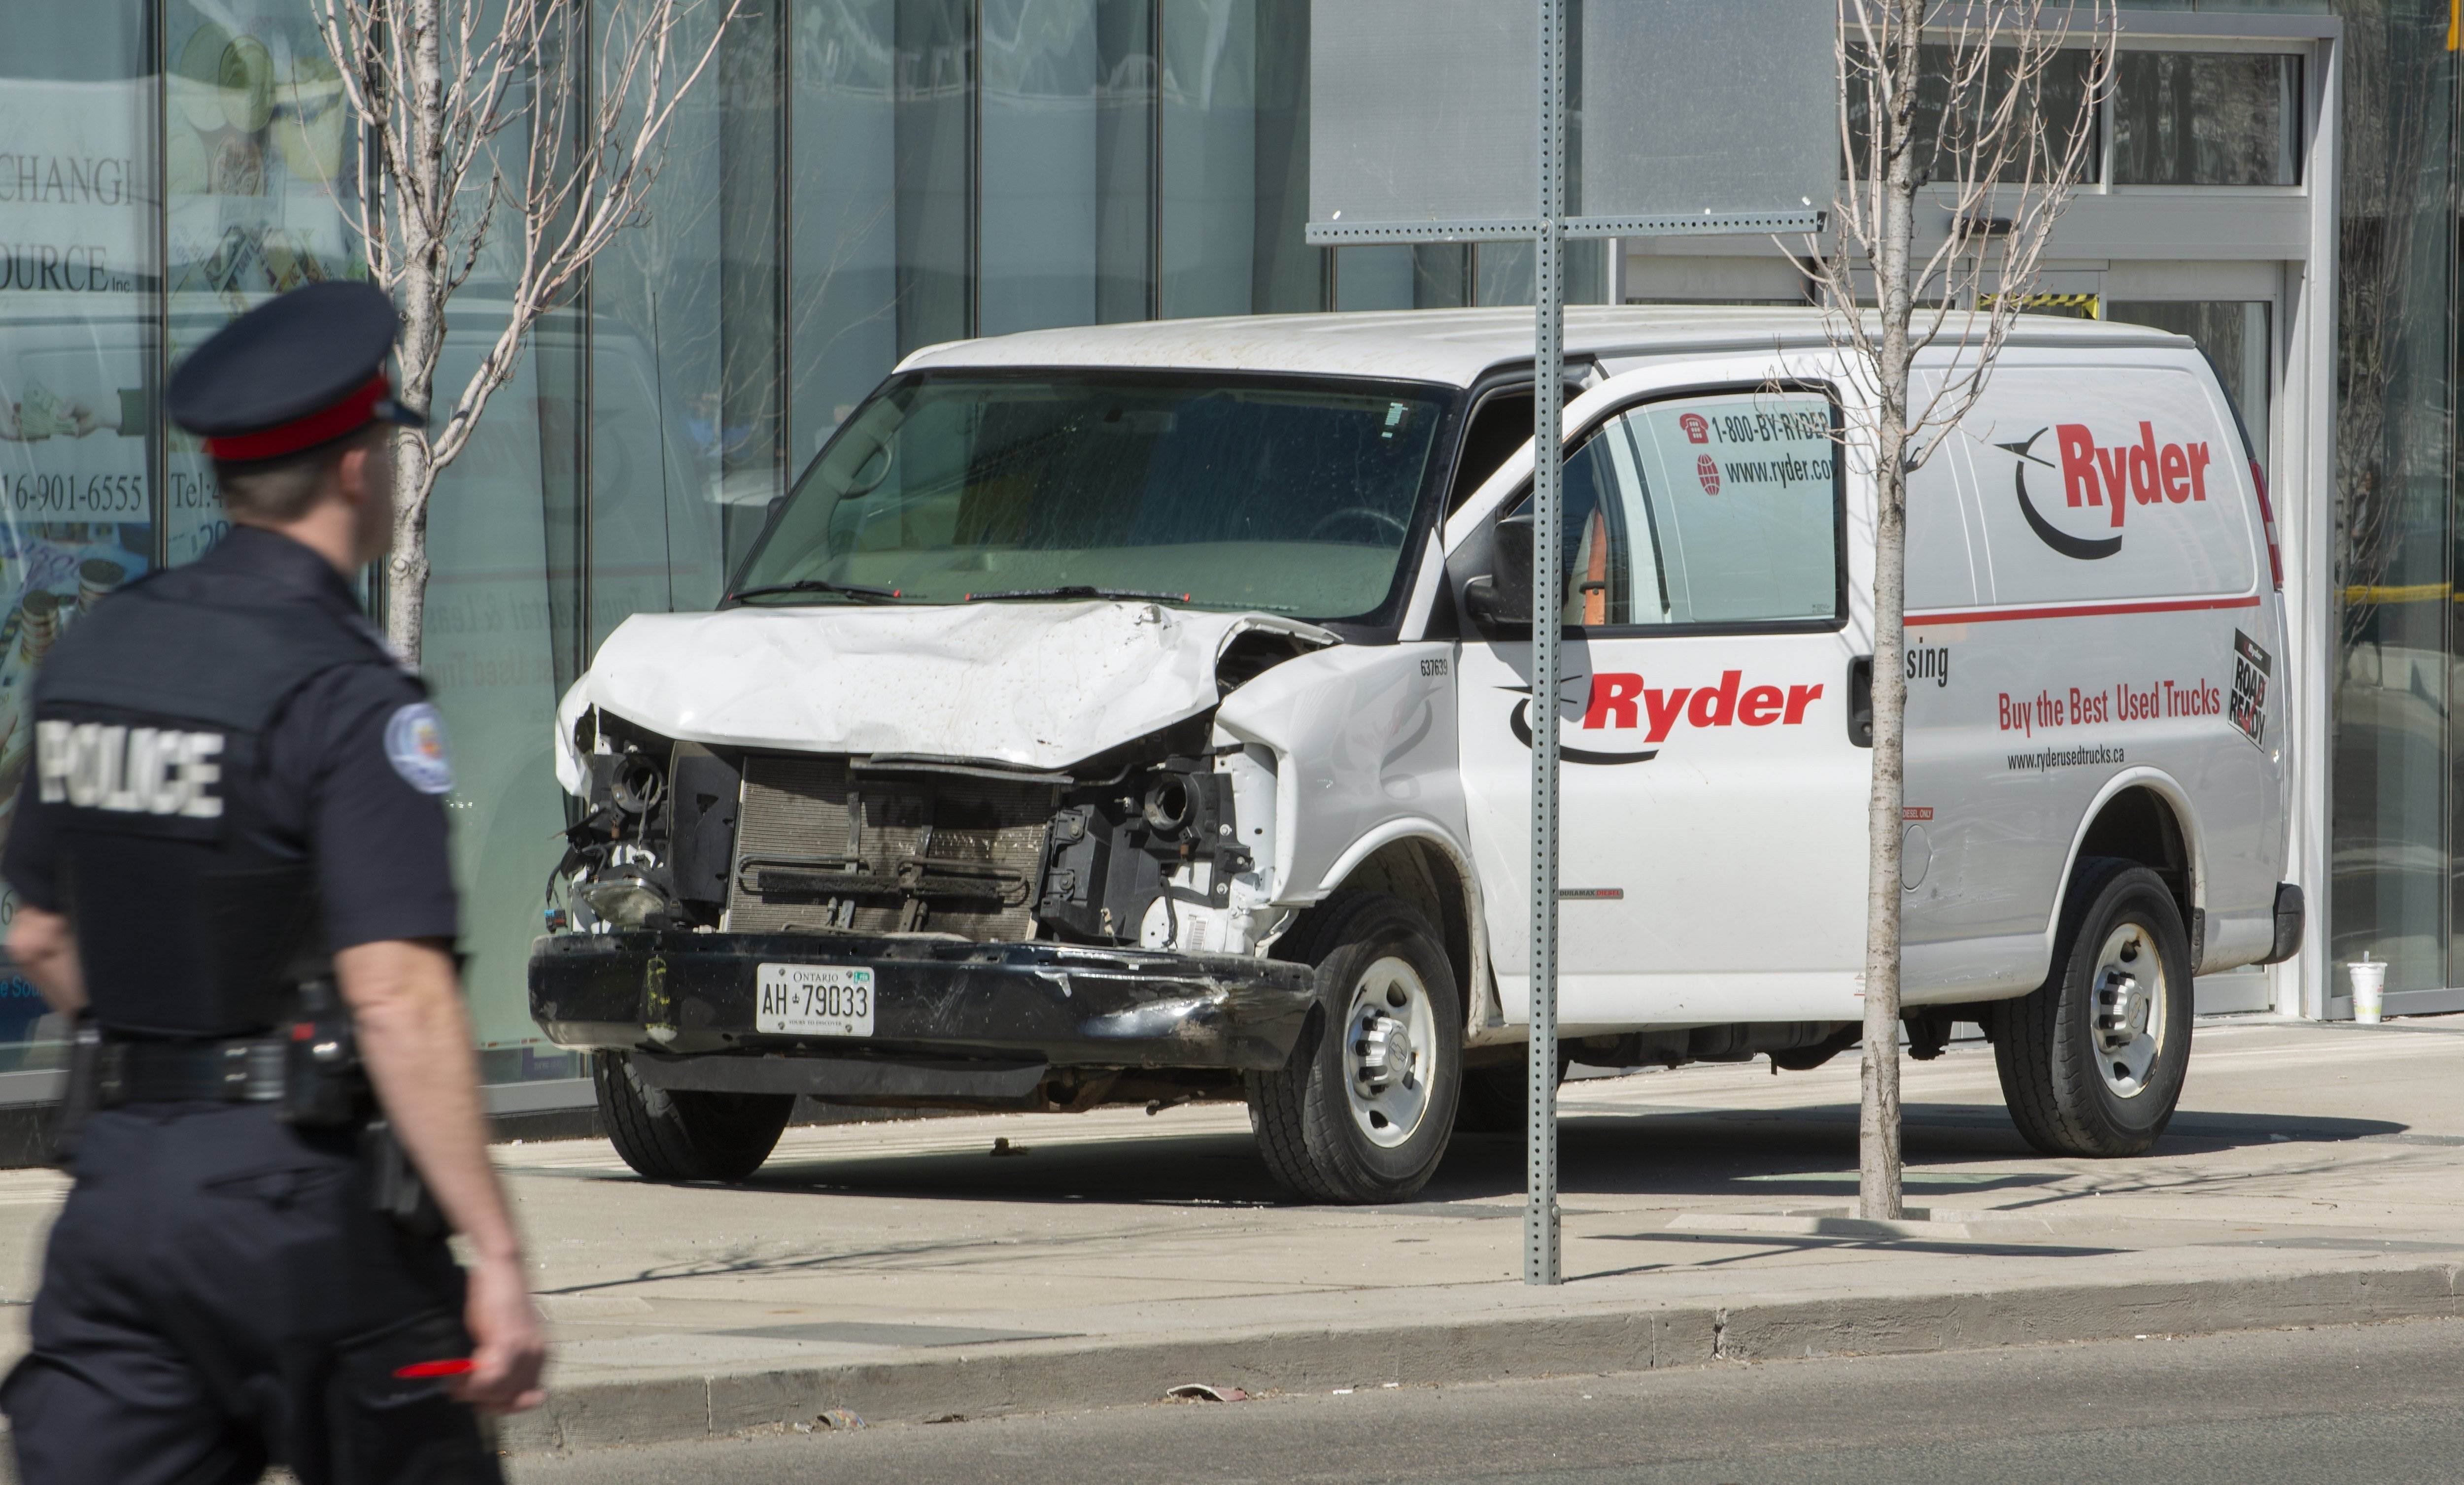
x=511 y=1347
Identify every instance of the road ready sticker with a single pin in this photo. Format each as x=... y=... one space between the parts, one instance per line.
x=2248 y=709
x=415 y=746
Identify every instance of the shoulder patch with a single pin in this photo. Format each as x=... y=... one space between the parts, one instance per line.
x=415 y=746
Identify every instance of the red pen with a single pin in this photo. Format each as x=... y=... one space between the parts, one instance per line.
x=448 y=1367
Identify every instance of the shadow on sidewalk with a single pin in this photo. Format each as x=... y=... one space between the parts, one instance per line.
x=1714 y=1155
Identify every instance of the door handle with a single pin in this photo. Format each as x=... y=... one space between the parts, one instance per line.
x=1861 y=700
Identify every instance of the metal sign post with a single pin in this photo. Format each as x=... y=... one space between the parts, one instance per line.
x=1540 y=1245
x=1693 y=108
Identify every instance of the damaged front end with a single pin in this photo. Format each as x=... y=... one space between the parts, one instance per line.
x=1027 y=937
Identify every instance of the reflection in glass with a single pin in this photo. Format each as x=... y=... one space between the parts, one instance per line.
x=2207 y=119
x=934 y=170
x=752 y=411
x=2058 y=106
x=2393 y=868
x=255 y=160
x=1208 y=170
x=78 y=395
x=1704 y=513
x=1287 y=494
x=1415 y=276
x=2234 y=335
x=1502 y=271
x=656 y=429
x=1067 y=113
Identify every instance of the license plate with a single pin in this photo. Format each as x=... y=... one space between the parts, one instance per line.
x=814 y=1000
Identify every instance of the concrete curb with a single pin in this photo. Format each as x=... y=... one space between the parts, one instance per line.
x=1041 y=1376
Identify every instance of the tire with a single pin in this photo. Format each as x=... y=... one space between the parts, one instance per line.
x=1362 y=1114
x=679 y=1136
x=2076 y=1087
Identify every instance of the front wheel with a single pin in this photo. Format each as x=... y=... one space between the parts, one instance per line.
x=673 y=1135
x=2092 y=1061
x=1362 y=1110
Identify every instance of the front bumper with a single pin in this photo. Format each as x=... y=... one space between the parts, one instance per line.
x=690 y=995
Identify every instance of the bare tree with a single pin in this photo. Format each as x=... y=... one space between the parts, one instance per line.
x=1986 y=111
x=524 y=135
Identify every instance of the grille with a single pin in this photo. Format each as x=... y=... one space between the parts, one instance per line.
x=820 y=848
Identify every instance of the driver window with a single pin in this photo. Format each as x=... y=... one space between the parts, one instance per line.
x=1704 y=511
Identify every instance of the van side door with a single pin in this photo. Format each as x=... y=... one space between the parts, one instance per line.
x=1713 y=799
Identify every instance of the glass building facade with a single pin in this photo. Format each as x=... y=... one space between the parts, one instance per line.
x=859 y=177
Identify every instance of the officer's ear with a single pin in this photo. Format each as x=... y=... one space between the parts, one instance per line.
x=363 y=475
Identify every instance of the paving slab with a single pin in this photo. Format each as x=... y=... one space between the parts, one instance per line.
x=902 y=1270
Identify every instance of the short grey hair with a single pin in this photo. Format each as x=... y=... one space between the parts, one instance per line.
x=279 y=490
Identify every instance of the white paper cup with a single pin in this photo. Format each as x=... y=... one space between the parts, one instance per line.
x=2369 y=989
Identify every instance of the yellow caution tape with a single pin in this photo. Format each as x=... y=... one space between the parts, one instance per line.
x=2401 y=592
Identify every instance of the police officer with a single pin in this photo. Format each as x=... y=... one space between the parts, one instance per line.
x=236 y=807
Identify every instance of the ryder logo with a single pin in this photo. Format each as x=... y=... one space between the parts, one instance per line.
x=1618 y=702
x=2109 y=478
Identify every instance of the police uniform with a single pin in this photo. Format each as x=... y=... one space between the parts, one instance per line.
x=232 y=780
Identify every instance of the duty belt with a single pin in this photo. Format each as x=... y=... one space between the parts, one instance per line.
x=243 y=1070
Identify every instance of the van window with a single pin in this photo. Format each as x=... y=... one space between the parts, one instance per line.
x=1704 y=511
x=1500 y=426
x=1296 y=496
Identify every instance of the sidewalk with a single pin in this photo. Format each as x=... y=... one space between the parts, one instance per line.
x=902 y=1272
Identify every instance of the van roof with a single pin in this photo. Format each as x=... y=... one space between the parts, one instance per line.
x=1449 y=346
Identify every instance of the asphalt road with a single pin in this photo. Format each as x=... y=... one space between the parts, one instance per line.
x=2354 y=1406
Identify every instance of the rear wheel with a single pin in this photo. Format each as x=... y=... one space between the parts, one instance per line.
x=2093 y=1060
x=669 y=1135
x=1362 y=1110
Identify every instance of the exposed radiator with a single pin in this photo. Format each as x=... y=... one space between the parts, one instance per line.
x=820 y=849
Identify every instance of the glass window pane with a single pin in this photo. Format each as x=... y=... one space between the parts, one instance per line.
x=78 y=403
x=1213 y=492
x=1209 y=166
x=1286 y=274
x=934 y=168
x=1399 y=276
x=256 y=152
x=1703 y=512
x=2207 y=119
x=2060 y=105
x=844 y=238
x=1124 y=153
x=2234 y=335
x=1502 y=271
x=2394 y=889
x=1038 y=249
x=752 y=387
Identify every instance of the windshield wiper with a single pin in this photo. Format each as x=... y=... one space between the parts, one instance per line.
x=854 y=590
x=1077 y=590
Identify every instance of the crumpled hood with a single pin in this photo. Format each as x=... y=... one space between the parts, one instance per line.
x=1036 y=685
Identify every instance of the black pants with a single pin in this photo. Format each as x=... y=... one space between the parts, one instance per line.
x=218 y=1294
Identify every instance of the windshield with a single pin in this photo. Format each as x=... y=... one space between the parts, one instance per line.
x=1290 y=496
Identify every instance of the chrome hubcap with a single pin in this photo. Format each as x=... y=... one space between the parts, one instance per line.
x=1388 y=1040
x=2129 y=999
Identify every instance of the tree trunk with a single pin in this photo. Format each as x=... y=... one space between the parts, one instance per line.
x=421 y=216
x=1877 y=1124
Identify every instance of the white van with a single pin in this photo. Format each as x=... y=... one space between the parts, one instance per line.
x=1143 y=713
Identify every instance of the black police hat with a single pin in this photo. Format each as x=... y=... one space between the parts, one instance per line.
x=301 y=369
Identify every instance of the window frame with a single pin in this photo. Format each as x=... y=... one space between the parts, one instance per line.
x=1591 y=428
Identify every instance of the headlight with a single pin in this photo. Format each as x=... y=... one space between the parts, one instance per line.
x=626 y=899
